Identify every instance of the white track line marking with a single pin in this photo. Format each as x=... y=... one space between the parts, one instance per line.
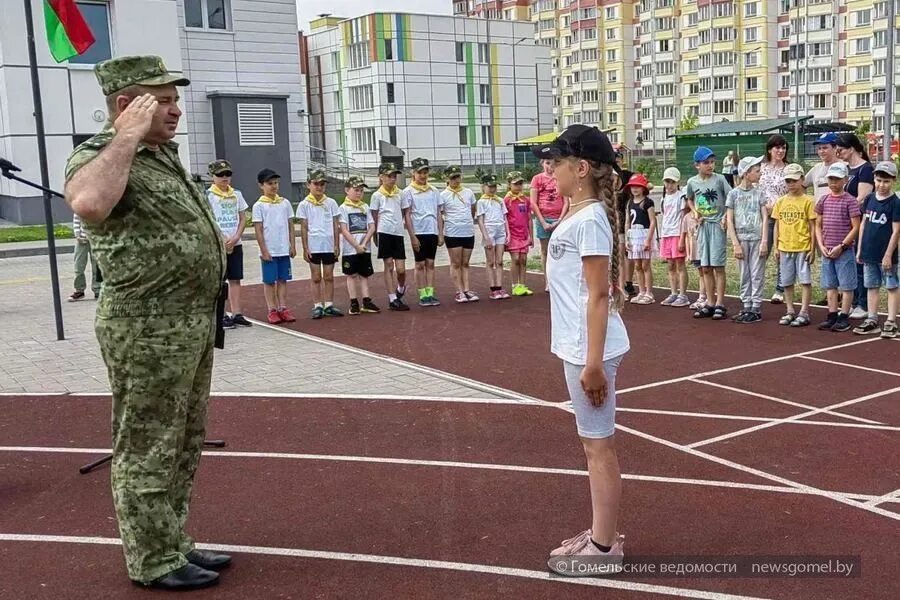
x=376 y=559
x=696 y=415
x=455 y=465
x=889 y=497
x=818 y=411
x=330 y=396
x=744 y=366
x=781 y=401
x=852 y=366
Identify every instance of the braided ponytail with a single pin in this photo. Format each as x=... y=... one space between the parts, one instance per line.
x=604 y=181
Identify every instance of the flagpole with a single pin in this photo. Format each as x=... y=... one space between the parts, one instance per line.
x=45 y=174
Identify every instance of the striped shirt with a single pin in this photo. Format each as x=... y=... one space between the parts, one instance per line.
x=836 y=213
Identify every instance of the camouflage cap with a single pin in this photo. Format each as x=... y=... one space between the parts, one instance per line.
x=388 y=168
x=219 y=166
x=419 y=164
x=355 y=182
x=452 y=171
x=317 y=175
x=489 y=180
x=515 y=177
x=119 y=73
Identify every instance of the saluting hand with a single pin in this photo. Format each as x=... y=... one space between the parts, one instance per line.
x=137 y=117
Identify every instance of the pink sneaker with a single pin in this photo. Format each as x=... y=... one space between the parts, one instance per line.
x=504 y=294
x=461 y=297
x=496 y=295
x=286 y=315
x=579 y=557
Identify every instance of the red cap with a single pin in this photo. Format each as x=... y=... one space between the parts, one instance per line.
x=638 y=180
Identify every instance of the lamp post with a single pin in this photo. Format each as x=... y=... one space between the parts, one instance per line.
x=515 y=90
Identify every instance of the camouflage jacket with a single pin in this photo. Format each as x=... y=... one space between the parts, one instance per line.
x=159 y=249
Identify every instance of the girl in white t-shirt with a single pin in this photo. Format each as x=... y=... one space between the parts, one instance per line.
x=587 y=332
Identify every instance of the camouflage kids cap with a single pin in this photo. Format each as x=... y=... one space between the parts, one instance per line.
x=515 y=177
x=420 y=164
x=452 y=171
x=217 y=167
x=388 y=168
x=489 y=180
x=355 y=182
x=317 y=175
x=122 y=72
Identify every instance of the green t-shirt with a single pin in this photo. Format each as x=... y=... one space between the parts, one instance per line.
x=708 y=196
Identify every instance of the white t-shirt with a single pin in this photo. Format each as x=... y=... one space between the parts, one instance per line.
x=425 y=207
x=458 y=221
x=586 y=233
x=275 y=218
x=319 y=224
x=390 y=211
x=494 y=212
x=672 y=213
x=817 y=182
x=228 y=210
x=357 y=221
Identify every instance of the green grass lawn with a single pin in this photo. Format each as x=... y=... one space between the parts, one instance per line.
x=33 y=233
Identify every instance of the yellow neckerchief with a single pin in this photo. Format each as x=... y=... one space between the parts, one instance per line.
x=421 y=188
x=316 y=201
x=389 y=194
x=517 y=196
x=456 y=192
x=492 y=197
x=354 y=203
x=226 y=195
x=267 y=200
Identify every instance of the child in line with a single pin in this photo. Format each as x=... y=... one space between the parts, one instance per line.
x=274 y=225
x=319 y=218
x=518 y=220
x=388 y=206
x=230 y=210
x=673 y=207
x=689 y=230
x=459 y=231
x=706 y=194
x=425 y=223
x=357 y=231
x=748 y=219
x=795 y=216
x=878 y=250
x=640 y=235
x=491 y=214
x=836 y=231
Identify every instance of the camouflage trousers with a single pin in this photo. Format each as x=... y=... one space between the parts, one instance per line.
x=159 y=368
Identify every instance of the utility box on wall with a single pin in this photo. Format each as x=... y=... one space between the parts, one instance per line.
x=251 y=132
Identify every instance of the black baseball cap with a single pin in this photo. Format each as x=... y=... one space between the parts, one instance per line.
x=580 y=141
x=267 y=174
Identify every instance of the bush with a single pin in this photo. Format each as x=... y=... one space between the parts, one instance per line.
x=479 y=173
x=648 y=166
x=530 y=171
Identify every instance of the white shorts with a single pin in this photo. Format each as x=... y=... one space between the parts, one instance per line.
x=636 y=237
x=593 y=422
x=496 y=233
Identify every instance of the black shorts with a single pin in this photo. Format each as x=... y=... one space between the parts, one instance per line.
x=391 y=246
x=322 y=258
x=428 y=244
x=234 y=264
x=460 y=242
x=357 y=264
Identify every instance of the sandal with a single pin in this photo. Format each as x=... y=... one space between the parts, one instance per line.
x=787 y=319
x=703 y=312
x=719 y=313
x=801 y=321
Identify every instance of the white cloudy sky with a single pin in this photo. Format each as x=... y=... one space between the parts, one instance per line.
x=308 y=9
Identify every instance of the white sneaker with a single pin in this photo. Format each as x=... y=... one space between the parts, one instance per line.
x=646 y=299
x=858 y=313
x=579 y=557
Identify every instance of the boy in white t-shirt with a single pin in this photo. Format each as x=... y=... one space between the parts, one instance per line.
x=490 y=211
x=459 y=231
x=319 y=230
x=388 y=205
x=230 y=210
x=425 y=224
x=274 y=225
x=357 y=231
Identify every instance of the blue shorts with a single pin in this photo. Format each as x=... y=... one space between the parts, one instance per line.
x=795 y=269
x=277 y=269
x=711 y=242
x=593 y=422
x=840 y=274
x=540 y=232
x=874 y=277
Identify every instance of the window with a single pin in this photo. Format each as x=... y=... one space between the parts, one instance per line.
x=863 y=100
x=610 y=33
x=484 y=54
x=546 y=25
x=752 y=84
x=863 y=45
x=819 y=23
x=97 y=17
x=824 y=75
x=705 y=61
x=752 y=109
x=388 y=49
x=591 y=117
x=463 y=135
x=880 y=39
x=589 y=34
x=256 y=124
x=392 y=135
x=665 y=68
x=612 y=77
x=785 y=32
x=785 y=107
x=881 y=10
x=664 y=46
x=785 y=82
x=363 y=139
x=824 y=48
x=612 y=97
x=863 y=73
x=359 y=55
x=723 y=82
x=460 y=93
x=484 y=93
x=336 y=61
x=723 y=107
x=665 y=112
x=612 y=118
x=337 y=101
x=692 y=42
x=692 y=20
x=798 y=78
x=878 y=65
x=723 y=34
x=797 y=26
x=589 y=75
x=705 y=84
x=591 y=95
x=460 y=52
x=723 y=9
x=611 y=13
x=589 y=54
x=361 y=97
x=704 y=37
x=863 y=17
x=588 y=13
x=693 y=89
x=611 y=56
x=665 y=89
x=705 y=107
x=390 y=93
x=704 y=13
x=878 y=96
x=821 y=101
x=751 y=9
x=693 y=65
x=751 y=59
x=751 y=34
x=486 y=136
x=205 y=14
x=723 y=59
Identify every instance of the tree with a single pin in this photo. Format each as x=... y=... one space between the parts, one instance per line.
x=688 y=122
x=863 y=128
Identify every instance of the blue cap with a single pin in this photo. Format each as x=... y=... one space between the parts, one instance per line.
x=703 y=153
x=826 y=138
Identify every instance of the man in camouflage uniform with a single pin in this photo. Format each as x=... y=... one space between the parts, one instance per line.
x=163 y=264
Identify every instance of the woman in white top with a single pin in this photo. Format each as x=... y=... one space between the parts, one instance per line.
x=587 y=332
x=728 y=167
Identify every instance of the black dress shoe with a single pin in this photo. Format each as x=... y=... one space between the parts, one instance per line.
x=208 y=560
x=188 y=577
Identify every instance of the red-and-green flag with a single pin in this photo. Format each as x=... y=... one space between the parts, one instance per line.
x=68 y=34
